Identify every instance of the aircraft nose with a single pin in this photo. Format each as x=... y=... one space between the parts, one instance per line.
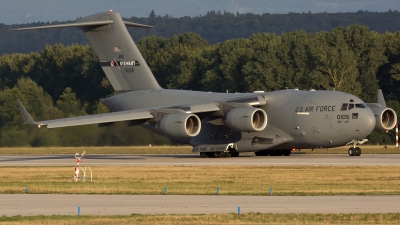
x=367 y=122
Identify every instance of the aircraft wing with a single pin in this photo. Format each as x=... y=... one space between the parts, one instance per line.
x=105 y=118
x=145 y=114
x=128 y=115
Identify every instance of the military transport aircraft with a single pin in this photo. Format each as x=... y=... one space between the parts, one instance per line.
x=219 y=124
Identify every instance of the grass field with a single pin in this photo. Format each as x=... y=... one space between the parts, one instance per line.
x=367 y=149
x=232 y=180
x=248 y=218
x=203 y=180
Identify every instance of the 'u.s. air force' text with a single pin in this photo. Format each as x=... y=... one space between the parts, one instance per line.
x=328 y=108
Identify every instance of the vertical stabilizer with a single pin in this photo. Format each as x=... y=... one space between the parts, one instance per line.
x=381 y=100
x=119 y=56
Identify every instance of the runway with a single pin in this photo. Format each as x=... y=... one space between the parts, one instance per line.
x=28 y=205
x=195 y=160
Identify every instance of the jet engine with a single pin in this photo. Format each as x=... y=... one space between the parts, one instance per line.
x=385 y=118
x=246 y=119
x=180 y=125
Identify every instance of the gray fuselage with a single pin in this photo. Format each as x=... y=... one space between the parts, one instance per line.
x=296 y=119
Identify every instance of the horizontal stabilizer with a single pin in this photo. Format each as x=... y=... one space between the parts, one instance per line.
x=82 y=24
x=85 y=24
x=130 y=24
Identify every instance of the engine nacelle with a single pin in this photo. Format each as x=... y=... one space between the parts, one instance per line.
x=246 y=119
x=180 y=125
x=385 y=118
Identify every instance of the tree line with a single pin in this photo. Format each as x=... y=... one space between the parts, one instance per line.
x=64 y=81
x=215 y=26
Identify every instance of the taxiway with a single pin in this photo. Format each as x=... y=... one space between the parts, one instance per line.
x=47 y=204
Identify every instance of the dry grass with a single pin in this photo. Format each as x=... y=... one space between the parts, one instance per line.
x=251 y=218
x=203 y=180
x=100 y=150
x=368 y=149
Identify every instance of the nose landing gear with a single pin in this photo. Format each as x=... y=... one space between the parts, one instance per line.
x=356 y=151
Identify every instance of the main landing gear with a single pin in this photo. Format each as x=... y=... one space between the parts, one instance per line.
x=214 y=154
x=356 y=151
x=230 y=152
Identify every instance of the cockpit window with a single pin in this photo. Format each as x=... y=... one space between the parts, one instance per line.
x=351 y=106
x=360 y=106
x=344 y=107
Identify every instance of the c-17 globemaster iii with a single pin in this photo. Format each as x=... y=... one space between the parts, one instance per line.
x=219 y=124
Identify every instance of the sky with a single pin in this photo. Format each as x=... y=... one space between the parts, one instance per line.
x=28 y=11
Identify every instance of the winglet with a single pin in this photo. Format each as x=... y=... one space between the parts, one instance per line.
x=381 y=100
x=28 y=119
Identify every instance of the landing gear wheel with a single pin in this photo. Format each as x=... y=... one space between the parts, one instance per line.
x=357 y=151
x=287 y=152
x=203 y=155
x=272 y=152
x=219 y=154
x=210 y=154
x=351 y=151
x=261 y=153
x=234 y=153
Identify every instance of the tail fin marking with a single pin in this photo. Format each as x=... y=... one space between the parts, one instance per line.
x=119 y=56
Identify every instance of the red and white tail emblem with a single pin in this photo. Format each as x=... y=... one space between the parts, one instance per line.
x=112 y=63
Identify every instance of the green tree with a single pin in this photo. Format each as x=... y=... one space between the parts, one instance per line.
x=74 y=66
x=40 y=103
x=260 y=73
x=174 y=61
x=368 y=47
x=69 y=105
x=335 y=63
x=14 y=66
x=388 y=74
x=293 y=54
